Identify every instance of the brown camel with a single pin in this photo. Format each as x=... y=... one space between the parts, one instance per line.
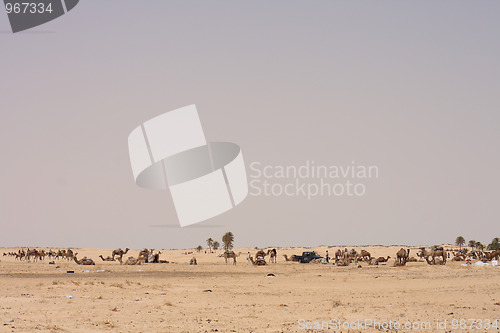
x=145 y=254
x=382 y=259
x=258 y=262
x=402 y=256
x=83 y=261
x=351 y=255
x=272 y=255
x=435 y=251
x=230 y=254
x=292 y=258
x=108 y=258
x=495 y=255
x=119 y=253
x=342 y=262
x=260 y=254
x=338 y=254
x=133 y=261
x=365 y=255
x=68 y=254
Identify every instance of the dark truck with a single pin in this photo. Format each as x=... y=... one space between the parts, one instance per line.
x=307 y=257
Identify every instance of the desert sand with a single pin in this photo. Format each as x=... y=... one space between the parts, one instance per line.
x=215 y=297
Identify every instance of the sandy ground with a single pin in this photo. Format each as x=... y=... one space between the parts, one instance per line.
x=110 y=297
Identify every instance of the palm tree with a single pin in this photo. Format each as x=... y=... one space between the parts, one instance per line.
x=460 y=241
x=210 y=243
x=480 y=246
x=495 y=244
x=472 y=243
x=228 y=240
x=199 y=248
x=215 y=245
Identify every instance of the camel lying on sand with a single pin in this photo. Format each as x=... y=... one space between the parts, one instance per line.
x=108 y=258
x=83 y=261
x=458 y=258
x=342 y=262
x=134 y=261
x=382 y=259
x=292 y=258
x=258 y=262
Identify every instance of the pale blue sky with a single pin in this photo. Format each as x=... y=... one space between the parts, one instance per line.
x=409 y=86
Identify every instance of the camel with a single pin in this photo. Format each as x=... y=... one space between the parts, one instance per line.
x=51 y=254
x=31 y=253
x=60 y=254
x=413 y=259
x=338 y=254
x=382 y=259
x=41 y=254
x=108 y=258
x=119 y=253
x=365 y=255
x=260 y=254
x=133 y=261
x=154 y=257
x=68 y=255
x=435 y=251
x=351 y=255
x=83 y=261
x=292 y=258
x=230 y=254
x=495 y=255
x=258 y=262
x=402 y=256
x=145 y=254
x=399 y=263
x=272 y=255
x=342 y=262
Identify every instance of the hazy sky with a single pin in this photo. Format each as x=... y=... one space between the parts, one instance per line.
x=412 y=87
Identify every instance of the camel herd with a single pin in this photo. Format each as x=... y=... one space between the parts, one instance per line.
x=435 y=255
x=35 y=255
x=259 y=257
x=145 y=256
x=475 y=255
